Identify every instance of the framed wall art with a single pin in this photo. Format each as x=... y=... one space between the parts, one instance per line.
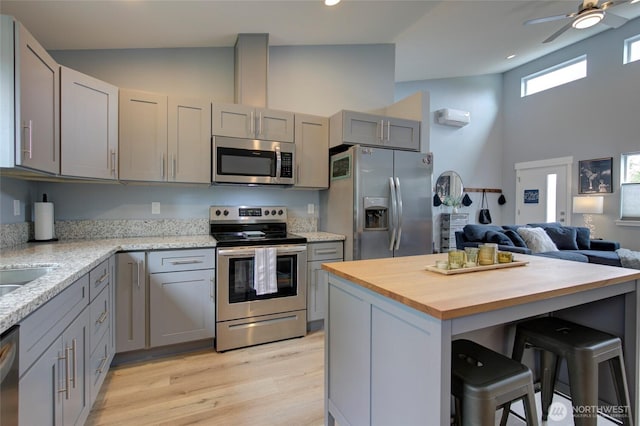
x=595 y=176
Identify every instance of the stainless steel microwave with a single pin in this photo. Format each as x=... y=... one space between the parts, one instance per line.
x=252 y=161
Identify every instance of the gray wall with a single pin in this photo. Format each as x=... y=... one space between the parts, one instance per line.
x=594 y=117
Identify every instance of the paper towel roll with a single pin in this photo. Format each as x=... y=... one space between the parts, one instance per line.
x=43 y=221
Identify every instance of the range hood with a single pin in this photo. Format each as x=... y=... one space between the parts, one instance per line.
x=251 y=69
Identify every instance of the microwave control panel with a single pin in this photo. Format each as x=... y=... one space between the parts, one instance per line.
x=286 y=167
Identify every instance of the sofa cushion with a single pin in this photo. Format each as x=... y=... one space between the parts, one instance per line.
x=477 y=233
x=565 y=255
x=537 y=240
x=545 y=225
x=583 y=237
x=498 y=238
x=602 y=257
x=564 y=237
x=515 y=238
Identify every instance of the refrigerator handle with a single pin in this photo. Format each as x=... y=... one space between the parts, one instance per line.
x=394 y=213
x=399 y=208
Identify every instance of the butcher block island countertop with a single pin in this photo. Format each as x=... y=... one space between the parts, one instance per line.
x=389 y=324
x=407 y=281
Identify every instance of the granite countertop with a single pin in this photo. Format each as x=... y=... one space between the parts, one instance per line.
x=72 y=259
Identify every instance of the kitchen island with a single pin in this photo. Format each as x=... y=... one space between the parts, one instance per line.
x=390 y=323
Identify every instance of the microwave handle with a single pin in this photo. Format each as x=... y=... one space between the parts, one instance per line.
x=278 y=163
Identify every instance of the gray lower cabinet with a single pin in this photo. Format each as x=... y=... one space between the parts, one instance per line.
x=53 y=360
x=317 y=254
x=181 y=296
x=131 y=295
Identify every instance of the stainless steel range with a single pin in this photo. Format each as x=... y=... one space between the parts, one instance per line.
x=260 y=274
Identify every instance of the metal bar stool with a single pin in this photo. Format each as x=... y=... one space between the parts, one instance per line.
x=583 y=348
x=482 y=380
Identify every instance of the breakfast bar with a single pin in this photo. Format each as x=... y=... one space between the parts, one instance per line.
x=390 y=323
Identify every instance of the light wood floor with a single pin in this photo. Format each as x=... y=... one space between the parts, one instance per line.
x=278 y=383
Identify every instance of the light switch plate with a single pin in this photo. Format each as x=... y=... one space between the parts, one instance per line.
x=311 y=208
x=155 y=207
x=16 y=207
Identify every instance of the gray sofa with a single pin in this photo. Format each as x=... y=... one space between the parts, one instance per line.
x=573 y=243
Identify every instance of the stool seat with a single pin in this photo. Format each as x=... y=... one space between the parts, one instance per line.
x=583 y=348
x=483 y=380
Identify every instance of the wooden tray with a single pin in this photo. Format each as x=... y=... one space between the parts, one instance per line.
x=515 y=263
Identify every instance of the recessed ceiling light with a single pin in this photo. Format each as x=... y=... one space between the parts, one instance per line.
x=513 y=55
x=331 y=2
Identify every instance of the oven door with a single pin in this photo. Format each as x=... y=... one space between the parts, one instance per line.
x=238 y=293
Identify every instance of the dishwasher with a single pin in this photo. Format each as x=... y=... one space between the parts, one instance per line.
x=9 y=377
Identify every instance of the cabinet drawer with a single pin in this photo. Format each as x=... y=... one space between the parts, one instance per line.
x=100 y=312
x=47 y=323
x=332 y=250
x=98 y=366
x=181 y=260
x=99 y=278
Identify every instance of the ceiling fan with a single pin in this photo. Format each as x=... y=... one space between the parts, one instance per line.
x=590 y=13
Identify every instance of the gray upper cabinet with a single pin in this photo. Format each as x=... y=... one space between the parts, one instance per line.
x=89 y=126
x=351 y=127
x=143 y=136
x=312 y=151
x=30 y=105
x=242 y=121
x=164 y=139
x=189 y=140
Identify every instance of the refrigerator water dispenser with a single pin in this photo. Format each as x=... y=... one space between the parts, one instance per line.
x=376 y=213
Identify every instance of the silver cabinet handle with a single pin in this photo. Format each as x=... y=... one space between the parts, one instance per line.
x=100 y=368
x=67 y=379
x=381 y=130
x=185 y=262
x=173 y=166
x=103 y=317
x=326 y=251
x=113 y=162
x=212 y=288
x=260 y=124
x=74 y=348
x=252 y=124
x=30 y=128
x=388 y=131
x=102 y=278
x=162 y=166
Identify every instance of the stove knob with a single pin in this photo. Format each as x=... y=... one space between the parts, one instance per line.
x=218 y=212
x=266 y=212
x=280 y=212
x=226 y=212
x=273 y=212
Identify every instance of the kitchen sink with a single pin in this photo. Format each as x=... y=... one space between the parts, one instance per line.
x=13 y=279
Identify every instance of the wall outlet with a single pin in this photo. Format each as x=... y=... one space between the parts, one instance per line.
x=155 y=207
x=16 y=207
x=311 y=208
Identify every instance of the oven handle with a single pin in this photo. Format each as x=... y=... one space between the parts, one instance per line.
x=246 y=251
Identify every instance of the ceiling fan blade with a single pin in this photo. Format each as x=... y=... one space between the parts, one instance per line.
x=557 y=33
x=614 y=21
x=548 y=19
x=609 y=4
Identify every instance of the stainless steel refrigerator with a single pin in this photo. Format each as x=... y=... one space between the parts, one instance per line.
x=380 y=199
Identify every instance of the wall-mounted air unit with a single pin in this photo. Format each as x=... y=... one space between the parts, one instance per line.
x=453 y=117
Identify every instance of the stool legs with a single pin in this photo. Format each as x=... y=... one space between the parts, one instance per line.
x=622 y=390
x=550 y=366
x=583 y=382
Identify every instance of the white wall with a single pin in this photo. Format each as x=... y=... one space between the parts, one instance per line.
x=591 y=118
x=473 y=151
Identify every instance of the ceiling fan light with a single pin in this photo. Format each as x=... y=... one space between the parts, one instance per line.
x=588 y=19
x=331 y=2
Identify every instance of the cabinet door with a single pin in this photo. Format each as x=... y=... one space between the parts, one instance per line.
x=359 y=128
x=76 y=345
x=274 y=125
x=181 y=306
x=143 y=136
x=42 y=388
x=38 y=137
x=312 y=146
x=233 y=120
x=89 y=126
x=402 y=134
x=130 y=302
x=189 y=140
x=316 y=284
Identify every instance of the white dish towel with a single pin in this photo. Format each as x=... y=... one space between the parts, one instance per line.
x=264 y=270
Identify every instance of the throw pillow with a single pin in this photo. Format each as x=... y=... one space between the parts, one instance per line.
x=537 y=240
x=583 y=238
x=545 y=225
x=515 y=238
x=563 y=237
x=498 y=238
x=476 y=233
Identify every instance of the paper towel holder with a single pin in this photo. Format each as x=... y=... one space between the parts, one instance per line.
x=51 y=218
